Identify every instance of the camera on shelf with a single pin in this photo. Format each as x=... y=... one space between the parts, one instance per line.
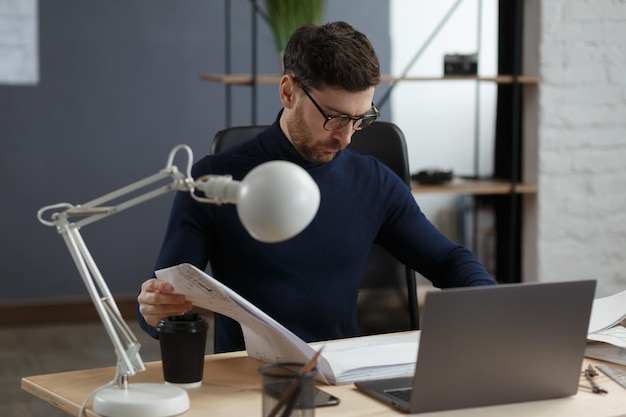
x=460 y=64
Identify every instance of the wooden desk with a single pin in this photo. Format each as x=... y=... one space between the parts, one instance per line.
x=232 y=388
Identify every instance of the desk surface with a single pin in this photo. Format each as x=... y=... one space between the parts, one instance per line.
x=232 y=387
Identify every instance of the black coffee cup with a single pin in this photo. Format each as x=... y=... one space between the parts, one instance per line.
x=183 y=340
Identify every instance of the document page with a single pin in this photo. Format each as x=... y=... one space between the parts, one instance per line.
x=343 y=361
x=615 y=336
x=607 y=312
x=606 y=337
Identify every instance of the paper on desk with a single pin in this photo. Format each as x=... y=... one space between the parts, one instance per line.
x=606 y=315
x=607 y=312
x=343 y=361
x=615 y=336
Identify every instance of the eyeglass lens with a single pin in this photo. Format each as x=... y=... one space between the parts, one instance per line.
x=338 y=122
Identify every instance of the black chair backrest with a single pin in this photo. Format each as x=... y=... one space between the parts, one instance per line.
x=386 y=142
x=226 y=138
x=388 y=290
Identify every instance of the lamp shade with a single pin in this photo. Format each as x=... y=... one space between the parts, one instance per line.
x=276 y=201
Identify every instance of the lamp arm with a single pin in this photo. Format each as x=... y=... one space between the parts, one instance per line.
x=94 y=210
x=124 y=341
x=126 y=345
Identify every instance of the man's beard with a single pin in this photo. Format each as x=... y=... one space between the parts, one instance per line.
x=301 y=138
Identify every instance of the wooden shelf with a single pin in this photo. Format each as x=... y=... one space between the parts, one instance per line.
x=498 y=79
x=240 y=78
x=244 y=79
x=475 y=187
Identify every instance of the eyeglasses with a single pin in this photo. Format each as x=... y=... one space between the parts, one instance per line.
x=340 y=121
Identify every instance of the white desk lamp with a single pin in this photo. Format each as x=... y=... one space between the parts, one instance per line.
x=275 y=202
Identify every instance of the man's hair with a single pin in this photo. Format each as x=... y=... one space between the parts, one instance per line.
x=334 y=55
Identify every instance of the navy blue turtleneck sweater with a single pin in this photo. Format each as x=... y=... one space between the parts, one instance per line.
x=310 y=283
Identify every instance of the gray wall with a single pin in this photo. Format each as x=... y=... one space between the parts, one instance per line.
x=119 y=87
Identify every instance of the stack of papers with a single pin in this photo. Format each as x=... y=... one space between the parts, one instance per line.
x=606 y=333
x=344 y=361
x=606 y=316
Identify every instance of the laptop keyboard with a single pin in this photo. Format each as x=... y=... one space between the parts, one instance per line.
x=402 y=393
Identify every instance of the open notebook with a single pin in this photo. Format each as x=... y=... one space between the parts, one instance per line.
x=494 y=345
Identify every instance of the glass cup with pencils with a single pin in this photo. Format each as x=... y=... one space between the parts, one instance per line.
x=289 y=388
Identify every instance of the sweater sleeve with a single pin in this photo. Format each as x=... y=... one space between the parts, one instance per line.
x=415 y=241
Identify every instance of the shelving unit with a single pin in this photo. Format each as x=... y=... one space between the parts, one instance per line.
x=458 y=186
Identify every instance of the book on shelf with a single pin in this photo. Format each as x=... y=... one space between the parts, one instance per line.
x=343 y=361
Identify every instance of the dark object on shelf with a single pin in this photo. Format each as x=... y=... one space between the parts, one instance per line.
x=458 y=64
x=432 y=177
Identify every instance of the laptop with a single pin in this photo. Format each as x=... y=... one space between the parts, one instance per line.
x=492 y=345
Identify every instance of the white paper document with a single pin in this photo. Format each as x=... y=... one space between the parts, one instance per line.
x=605 y=323
x=615 y=336
x=607 y=312
x=343 y=361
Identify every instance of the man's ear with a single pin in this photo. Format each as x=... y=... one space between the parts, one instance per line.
x=287 y=89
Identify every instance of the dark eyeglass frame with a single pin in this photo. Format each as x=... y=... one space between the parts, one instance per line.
x=358 y=122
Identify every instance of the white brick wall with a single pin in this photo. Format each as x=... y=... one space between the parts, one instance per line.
x=581 y=143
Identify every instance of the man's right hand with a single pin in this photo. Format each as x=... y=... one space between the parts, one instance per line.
x=157 y=300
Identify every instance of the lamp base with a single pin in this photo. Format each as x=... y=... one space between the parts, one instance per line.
x=141 y=400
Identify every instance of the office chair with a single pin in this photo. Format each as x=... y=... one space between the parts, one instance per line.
x=226 y=138
x=389 y=289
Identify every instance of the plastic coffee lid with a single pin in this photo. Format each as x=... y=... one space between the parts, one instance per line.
x=185 y=323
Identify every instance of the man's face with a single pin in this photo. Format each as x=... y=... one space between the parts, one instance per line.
x=304 y=123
